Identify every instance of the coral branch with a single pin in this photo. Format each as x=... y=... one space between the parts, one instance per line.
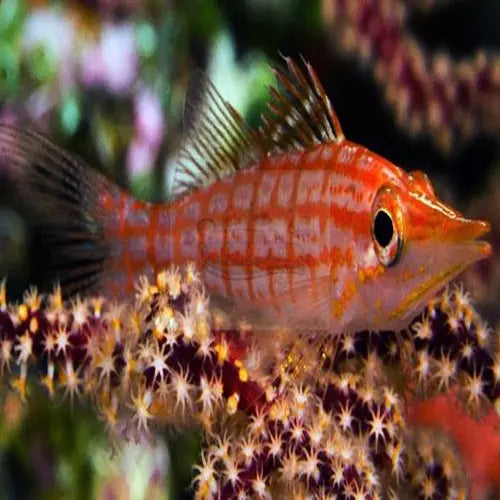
x=431 y=95
x=327 y=417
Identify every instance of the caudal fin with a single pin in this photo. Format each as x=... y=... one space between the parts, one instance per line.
x=65 y=196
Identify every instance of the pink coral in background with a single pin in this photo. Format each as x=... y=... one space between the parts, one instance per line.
x=112 y=61
x=149 y=130
x=140 y=157
x=149 y=122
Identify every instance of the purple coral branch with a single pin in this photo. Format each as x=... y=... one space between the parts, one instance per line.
x=431 y=94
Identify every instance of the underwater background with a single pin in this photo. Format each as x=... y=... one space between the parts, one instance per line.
x=417 y=82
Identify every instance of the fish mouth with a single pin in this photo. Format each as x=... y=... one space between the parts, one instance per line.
x=468 y=233
x=481 y=248
x=476 y=231
x=467 y=246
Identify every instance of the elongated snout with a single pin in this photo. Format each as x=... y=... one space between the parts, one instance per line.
x=467 y=232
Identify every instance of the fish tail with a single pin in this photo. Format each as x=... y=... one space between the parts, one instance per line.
x=70 y=204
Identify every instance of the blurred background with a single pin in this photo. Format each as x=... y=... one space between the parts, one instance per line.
x=417 y=81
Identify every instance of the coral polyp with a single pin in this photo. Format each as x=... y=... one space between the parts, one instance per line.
x=322 y=416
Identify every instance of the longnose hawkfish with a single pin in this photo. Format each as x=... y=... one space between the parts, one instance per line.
x=289 y=221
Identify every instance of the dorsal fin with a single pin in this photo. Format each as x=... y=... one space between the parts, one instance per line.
x=220 y=142
x=300 y=115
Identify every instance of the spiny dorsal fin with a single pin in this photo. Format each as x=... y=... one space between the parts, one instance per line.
x=219 y=141
x=300 y=115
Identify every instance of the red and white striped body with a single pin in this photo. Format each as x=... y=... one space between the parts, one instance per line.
x=290 y=241
x=290 y=237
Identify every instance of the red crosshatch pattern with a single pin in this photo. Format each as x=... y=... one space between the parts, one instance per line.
x=264 y=235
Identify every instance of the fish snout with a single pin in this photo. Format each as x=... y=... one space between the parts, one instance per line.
x=469 y=232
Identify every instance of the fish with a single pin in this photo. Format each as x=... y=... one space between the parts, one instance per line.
x=289 y=223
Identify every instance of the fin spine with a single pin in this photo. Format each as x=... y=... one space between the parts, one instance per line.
x=299 y=116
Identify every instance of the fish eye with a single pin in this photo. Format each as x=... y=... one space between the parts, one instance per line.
x=386 y=228
x=383 y=228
